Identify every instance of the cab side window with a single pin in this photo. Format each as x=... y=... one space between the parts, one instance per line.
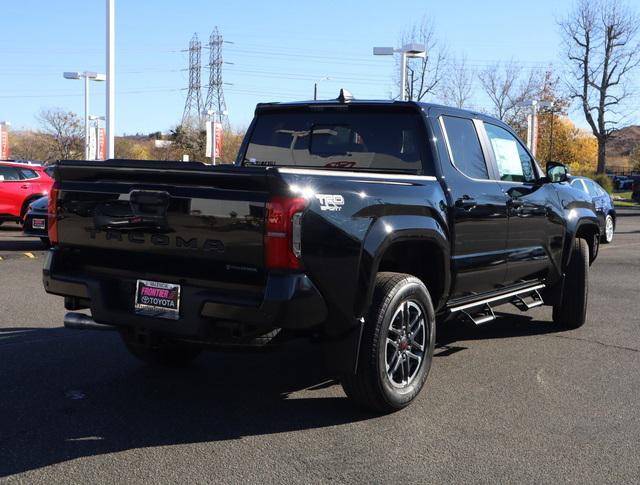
x=464 y=146
x=514 y=162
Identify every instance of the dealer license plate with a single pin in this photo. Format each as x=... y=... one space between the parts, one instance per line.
x=38 y=223
x=157 y=299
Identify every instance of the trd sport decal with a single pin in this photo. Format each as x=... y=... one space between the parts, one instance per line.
x=330 y=202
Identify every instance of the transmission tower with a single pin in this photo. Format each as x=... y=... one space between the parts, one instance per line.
x=215 y=93
x=192 y=114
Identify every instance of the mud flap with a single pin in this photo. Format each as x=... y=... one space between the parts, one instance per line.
x=341 y=353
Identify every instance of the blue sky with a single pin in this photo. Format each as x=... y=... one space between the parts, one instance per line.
x=279 y=48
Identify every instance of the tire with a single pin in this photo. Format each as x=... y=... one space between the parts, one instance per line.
x=159 y=351
x=571 y=310
x=375 y=385
x=609 y=227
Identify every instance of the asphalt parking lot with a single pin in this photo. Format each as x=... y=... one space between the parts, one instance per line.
x=517 y=400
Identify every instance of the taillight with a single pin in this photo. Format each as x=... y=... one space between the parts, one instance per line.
x=282 y=233
x=52 y=214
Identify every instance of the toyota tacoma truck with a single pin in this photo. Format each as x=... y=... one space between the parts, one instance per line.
x=359 y=224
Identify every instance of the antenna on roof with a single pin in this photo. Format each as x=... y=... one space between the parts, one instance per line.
x=345 y=96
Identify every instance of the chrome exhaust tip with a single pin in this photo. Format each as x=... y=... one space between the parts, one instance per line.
x=80 y=321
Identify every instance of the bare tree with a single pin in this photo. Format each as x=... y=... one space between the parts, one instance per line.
x=601 y=48
x=423 y=74
x=457 y=83
x=501 y=86
x=508 y=89
x=64 y=130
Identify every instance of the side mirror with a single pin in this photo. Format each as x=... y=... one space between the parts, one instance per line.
x=557 y=172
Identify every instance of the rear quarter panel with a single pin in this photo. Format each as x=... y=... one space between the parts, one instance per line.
x=342 y=246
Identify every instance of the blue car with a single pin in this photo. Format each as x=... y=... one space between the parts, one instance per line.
x=603 y=202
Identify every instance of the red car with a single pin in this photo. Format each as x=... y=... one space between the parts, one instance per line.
x=21 y=184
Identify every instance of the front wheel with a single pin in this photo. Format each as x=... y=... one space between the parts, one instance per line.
x=609 y=228
x=397 y=345
x=571 y=310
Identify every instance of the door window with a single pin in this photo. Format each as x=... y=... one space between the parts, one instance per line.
x=591 y=188
x=9 y=173
x=464 y=147
x=514 y=162
x=577 y=184
x=28 y=174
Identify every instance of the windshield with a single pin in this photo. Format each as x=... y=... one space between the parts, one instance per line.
x=382 y=141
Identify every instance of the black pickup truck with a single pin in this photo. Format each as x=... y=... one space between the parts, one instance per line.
x=356 y=223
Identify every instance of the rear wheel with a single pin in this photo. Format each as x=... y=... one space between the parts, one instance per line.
x=571 y=310
x=609 y=227
x=156 y=350
x=397 y=345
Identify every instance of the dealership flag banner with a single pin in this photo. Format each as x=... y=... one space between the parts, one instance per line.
x=4 y=144
x=102 y=144
x=93 y=143
x=214 y=139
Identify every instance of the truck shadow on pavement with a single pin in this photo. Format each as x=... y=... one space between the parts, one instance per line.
x=72 y=394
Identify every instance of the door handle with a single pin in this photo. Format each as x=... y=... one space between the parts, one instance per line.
x=466 y=202
x=24 y=186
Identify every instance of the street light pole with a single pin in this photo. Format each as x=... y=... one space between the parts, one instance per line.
x=315 y=86
x=406 y=52
x=403 y=76
x=86 y=117
x=86 y=76
x=111 y=79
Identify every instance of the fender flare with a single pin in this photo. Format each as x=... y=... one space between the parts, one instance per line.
x=385 y=232
x=590 y=221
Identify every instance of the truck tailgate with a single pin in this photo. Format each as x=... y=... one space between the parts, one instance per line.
x=171 y=210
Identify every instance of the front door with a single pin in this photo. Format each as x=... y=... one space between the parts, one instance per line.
x=535 y=226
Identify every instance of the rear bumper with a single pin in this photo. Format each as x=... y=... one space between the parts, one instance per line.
x=290 y=300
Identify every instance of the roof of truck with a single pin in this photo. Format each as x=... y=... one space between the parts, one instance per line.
x=366 y=102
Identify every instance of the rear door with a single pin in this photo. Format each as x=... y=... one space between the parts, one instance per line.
x=535 y=226
x=478 y=211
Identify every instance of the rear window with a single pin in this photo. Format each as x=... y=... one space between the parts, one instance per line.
x=464 y=144
x=332 y=139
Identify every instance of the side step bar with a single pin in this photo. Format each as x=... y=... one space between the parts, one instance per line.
x=80 y=321
x=480 y=312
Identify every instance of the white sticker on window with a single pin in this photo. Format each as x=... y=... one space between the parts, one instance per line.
x=507 y=156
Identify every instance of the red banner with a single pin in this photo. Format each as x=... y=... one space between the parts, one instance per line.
x=4 y=144
x=218 y=137
x=102 y=143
